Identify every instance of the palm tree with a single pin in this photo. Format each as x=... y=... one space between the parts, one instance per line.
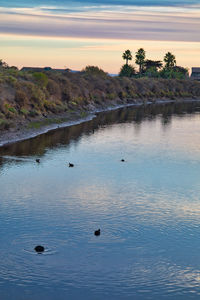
x=127 y=56
x=140 y=59
x=170 y=60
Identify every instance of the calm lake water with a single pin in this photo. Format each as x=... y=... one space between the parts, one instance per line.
x=148 y=209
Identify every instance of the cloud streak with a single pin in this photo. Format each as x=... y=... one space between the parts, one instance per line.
x=77 y=33
x=105 y=22
x=77 y=4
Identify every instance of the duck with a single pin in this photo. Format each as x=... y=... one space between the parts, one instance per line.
x=37 y=160
x=71 y=165
x=122 y=160
x=97 y=232
x=39 y=249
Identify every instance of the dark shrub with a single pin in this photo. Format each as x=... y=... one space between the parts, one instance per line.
x=21 y=98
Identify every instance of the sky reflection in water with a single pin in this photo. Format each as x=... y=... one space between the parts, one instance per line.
x=147 y=208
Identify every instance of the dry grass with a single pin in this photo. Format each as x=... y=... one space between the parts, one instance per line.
x=25 y=95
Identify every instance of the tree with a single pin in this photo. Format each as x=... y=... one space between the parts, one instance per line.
x=14 y=68
x=152 y=72
x=170 y=60
x=149 y=64
x=127 y=71
x=93 y=70
x=3 y=64
x=127 y=55
x=174 y=73
x=182 y=71
x=140 y=59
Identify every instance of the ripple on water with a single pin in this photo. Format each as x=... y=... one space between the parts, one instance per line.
x=47 y=251
x=147 y=210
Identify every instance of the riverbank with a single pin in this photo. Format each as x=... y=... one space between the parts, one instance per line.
x=30 y=129
x=32 y=103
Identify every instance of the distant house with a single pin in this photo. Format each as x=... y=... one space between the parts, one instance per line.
x=38 y=69
x=60 y=70
x=33 y=69
x=195 y=74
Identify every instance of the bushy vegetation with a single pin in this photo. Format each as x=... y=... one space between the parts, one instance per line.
x=93 y=70
x=153 y=68
x=127 y=71
x=32 y=95
x=41 y=78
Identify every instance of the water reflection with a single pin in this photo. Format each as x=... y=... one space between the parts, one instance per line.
x=64 y=136
x=147 y=208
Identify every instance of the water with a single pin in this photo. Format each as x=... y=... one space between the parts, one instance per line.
x=148 y=209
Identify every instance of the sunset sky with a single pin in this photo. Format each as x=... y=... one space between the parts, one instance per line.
x=73 y=34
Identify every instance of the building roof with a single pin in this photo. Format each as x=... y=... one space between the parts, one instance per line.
x=39 y=69
x=195 y=73
x=196 y=70
x=32 y=69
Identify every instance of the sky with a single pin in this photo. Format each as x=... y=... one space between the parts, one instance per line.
x=74 y=34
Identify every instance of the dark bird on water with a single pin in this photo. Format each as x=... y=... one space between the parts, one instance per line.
x=39 y=249
x=71 y=165
x=37 y=160
x=122 y=160
x=97 y=232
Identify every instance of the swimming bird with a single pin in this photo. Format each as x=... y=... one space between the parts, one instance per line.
x=39 y=249
x=122 y=160
x=71 y=165
x=97 y=232
x=37 y=160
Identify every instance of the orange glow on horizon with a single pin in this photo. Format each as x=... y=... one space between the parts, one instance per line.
x=105 y=53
